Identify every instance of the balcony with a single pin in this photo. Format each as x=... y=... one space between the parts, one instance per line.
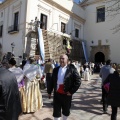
x=13 y=29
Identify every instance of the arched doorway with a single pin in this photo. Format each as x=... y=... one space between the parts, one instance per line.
x=99 y=57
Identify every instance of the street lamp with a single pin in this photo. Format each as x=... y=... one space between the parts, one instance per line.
x=92 y=42
x=12 y=45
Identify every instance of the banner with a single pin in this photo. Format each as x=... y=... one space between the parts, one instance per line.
x=84 y=49
x=33 y=47
x=41 y=44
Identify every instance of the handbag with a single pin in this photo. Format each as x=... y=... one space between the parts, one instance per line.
x=106 y=87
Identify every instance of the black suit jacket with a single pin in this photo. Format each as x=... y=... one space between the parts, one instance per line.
x=72 y=80
x=10 y=105
x=113 y=97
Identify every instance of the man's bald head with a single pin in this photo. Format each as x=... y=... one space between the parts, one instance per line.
x=64 y=55
x=63 y=60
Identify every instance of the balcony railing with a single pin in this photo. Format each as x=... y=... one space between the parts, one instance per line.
x=13 y=29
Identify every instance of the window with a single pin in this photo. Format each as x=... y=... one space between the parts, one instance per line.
x=63 y=26
x=1 y=30
x=16 y=15
x=1 y=14
x=101 y=14
x=77 y=33
x=43 y=19
x=15 y=27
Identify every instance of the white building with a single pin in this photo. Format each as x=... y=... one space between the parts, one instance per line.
x=81 y=22
x=102 y=41
x=17 y=18
x=13 y=26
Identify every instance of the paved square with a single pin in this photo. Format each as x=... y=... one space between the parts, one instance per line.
x=85 y=104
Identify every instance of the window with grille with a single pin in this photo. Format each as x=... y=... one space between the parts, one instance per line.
x=77 y=33
x=63 y=27
x=101 y=14
x=16 y=18
x=43 y=20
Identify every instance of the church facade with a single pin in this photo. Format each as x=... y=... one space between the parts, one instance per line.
x=90 y=22
x=102 y=30
x=57 y=18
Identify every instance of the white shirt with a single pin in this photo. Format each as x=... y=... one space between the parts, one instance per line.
x=61 y=75
x=53 y=66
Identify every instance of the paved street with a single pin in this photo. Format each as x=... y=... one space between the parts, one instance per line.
x=85 y=106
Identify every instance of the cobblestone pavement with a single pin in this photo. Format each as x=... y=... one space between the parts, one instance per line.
x=85 y=104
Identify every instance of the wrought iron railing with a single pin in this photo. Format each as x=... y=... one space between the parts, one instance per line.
x=13 y=28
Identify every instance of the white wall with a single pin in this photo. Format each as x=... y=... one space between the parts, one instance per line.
x=9 y=8
x=55 y=15
x=94 y=31
x=28 y=10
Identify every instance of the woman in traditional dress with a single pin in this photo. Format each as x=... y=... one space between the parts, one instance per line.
x=18 y=72
x=87 y=73
x=33 y=96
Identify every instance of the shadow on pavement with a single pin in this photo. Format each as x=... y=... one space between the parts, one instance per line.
x=47 y=119
x=87 y=99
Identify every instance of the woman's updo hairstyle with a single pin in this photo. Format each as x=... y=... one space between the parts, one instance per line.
x=12 y=62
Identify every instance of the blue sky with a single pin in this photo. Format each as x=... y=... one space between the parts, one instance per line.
x=77 y=1
x=74 y=0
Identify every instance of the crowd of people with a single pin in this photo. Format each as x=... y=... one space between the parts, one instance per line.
x=21 y=85
x=26 y=94
x=110 y=74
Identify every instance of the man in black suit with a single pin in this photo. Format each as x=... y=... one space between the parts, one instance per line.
x=10 y=105
x=65 y=82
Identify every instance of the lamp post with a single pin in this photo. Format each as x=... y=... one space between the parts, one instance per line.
x=12 y=45
x=92 y=42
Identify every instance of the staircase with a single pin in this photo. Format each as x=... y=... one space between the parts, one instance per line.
x=52 y=45
x=46 y=45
